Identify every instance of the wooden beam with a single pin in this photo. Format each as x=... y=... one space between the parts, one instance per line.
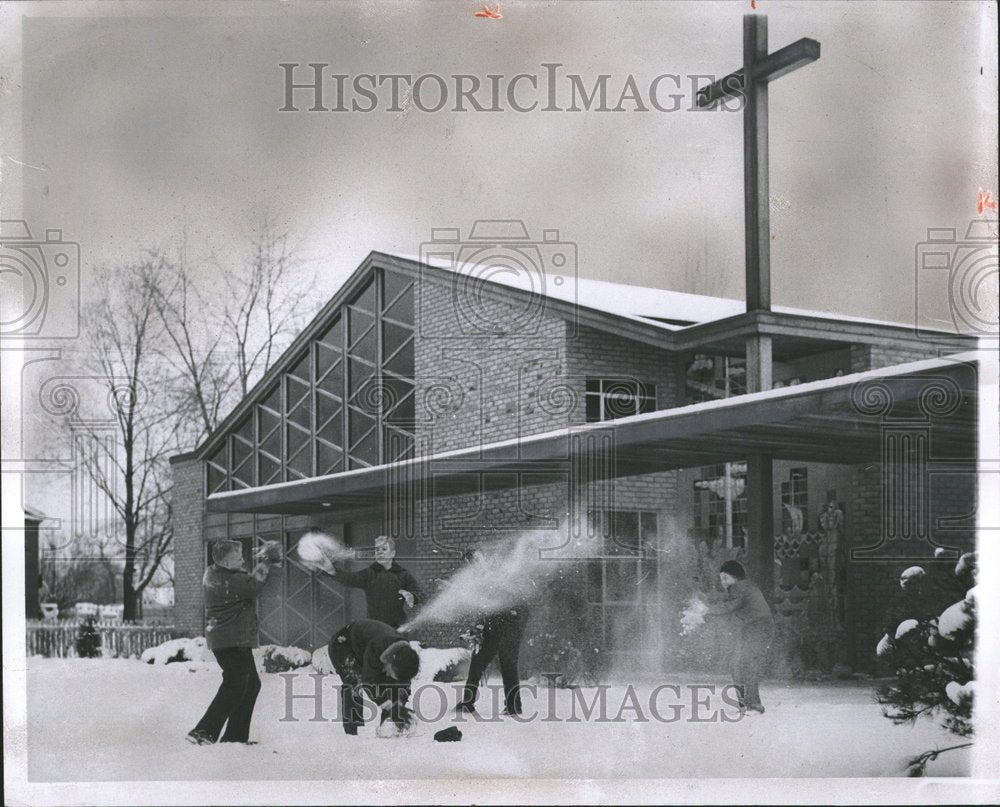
x=789 y=58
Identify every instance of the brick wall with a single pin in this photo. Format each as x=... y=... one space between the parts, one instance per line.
x=473 y=388
x=189 y=547
x=872 y=357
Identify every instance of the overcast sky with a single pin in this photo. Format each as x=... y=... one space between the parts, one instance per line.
x=140 y=122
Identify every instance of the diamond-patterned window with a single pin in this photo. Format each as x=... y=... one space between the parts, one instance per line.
x=346 y=401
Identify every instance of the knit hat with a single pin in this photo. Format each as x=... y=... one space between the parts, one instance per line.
x=734 y=569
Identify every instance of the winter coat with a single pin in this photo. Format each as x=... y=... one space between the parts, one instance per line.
x=369 y=639
x=381 y=587
x=230 y=607
x=744 y=601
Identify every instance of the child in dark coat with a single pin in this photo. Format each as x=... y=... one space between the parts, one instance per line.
x=390 y=590
x=373 y=658
x=231 y=634
x=746 y=602
x=501 y=636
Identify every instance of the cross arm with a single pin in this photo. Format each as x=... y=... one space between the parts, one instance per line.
x=774 y=65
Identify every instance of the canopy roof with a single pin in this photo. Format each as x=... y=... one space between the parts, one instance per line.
x=837 y=420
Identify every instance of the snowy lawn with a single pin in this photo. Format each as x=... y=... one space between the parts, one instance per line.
x=100 y=720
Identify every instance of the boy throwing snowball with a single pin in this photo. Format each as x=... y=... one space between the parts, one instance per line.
x=231 y=634
x=746 y=602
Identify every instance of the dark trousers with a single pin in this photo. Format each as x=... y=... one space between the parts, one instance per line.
x=233 y=703
x=750 y=660
x=348 y=667
x=501 y=637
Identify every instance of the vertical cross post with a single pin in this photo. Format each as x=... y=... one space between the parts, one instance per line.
x=757 y=234
x=751 y=81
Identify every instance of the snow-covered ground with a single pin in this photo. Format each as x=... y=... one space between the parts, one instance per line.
x=106 y=720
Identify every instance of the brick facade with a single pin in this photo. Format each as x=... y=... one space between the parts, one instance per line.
x=188 y=498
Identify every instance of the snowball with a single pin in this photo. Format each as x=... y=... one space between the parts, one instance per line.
x=912 y=574
x=317 y=550
x=939 y=552
x=884 y=646
x=970 y=595
x=905 y=627
x=693 y=616
x=955 y=618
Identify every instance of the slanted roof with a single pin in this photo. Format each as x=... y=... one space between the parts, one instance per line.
x=671 y=310
x=669 y=320
x=836 y=420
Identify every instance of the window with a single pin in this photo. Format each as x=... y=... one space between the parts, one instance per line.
x=720 y=504
x=712 y=377
x=345 y=401
x=795 y=502
x=609 y=399
x=622 y=581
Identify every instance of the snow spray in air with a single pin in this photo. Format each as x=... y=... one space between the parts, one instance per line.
x=319 y=551
x=501 y=577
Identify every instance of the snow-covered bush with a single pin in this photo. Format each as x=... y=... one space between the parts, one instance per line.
x=176 y=650
x=274 y=659
x=933 y=660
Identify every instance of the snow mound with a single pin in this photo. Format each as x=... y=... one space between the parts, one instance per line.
x=958 y=693
x=272 y=658
x=905 y=627
x=320 y=551
x=911 y=575
x=954 y=619
x=178 y=650
x=884 y=646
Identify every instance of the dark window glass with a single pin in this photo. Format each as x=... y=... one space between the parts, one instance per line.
x=402 y=309
x=333 y=429
x=393 y=338
x=366 y=299
x=360 y=324
x=329 y=458
x=402 y=362
x=393 y=285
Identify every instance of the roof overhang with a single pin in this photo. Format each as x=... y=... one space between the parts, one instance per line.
x=839 y=420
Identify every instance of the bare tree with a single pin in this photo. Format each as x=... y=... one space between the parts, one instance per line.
x=265 y=303
x=196 y=333
x=124 y=337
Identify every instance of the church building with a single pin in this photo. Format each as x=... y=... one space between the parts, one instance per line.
x=453 y=408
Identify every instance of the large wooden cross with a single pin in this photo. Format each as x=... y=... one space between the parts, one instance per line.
x=759 y=68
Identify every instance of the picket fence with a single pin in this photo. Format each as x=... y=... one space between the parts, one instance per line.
x=118 y=639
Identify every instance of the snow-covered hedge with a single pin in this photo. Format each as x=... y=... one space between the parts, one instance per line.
x=274 y=659
x=177 y=650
